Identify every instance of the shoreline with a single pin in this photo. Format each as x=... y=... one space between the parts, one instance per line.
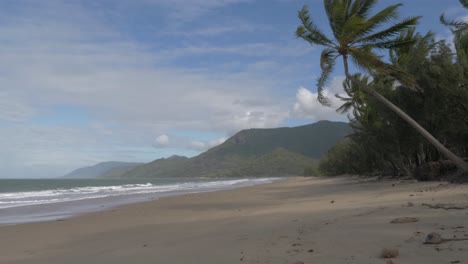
x=59 y=210
x=298 y=219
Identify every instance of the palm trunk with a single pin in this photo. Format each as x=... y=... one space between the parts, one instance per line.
x=462 y=165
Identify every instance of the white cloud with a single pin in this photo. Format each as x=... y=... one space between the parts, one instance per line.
x=185 y=142
x=162 y=140
x=57 y=53
x=307 y=106
x=336 y=85
x=119 y=80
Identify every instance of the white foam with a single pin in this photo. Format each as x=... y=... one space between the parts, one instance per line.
x=16 y=199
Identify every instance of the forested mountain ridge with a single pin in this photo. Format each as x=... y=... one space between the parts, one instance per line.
x=253 y=152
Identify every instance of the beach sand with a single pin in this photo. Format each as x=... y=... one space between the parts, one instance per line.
x=313 y=220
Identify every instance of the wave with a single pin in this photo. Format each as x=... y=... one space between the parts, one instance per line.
x=16 y=199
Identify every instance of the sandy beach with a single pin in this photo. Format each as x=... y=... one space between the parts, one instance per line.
x=313 y=220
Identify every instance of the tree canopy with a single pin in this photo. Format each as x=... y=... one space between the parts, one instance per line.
x=423 y=83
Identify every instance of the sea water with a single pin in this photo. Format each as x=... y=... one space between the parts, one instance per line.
x=30 y=200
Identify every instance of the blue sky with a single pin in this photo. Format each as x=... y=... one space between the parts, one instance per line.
x=135 y=80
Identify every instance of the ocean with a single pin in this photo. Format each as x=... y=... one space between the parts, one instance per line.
x=31 y=200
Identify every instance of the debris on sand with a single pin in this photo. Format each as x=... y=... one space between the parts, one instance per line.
x=401 y=220
x=435 y=239
x=389 y=253
x=445 y=206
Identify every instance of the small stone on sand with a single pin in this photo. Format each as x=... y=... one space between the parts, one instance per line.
x=433 y=238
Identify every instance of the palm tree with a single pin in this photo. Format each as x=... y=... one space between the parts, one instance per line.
x=460 y=30
x=355 y=99
x=353 y=27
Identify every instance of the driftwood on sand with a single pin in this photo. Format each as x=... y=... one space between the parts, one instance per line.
x=446 y=206
x=435 y=239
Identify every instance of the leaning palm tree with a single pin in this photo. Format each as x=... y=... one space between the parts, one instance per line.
x=353 y=29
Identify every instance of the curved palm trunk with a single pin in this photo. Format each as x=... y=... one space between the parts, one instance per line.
x=462 y=165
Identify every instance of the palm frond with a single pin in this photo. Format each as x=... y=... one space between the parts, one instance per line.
x=348 y=5
x=365 y=59
x=346 y=106
x=354 y=25
x=407 y=55
x=309 y=31
x=328 y=5
x=455 y=24
x=327 y=62
x=370 y=62
x=392 y=44
x=348 y=101
x=355 y=98
x=362 y=7
x=386 y=15
x=336 y=11
x=464 y=3
x=389 y=32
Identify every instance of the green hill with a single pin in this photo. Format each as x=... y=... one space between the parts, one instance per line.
x=310 y=140
x=253 y=152
x=279 y=162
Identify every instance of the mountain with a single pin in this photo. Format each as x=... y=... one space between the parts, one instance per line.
x=112 y=169
x=165 y=167
x=253 y=152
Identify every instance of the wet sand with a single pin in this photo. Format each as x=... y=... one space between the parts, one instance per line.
x=313 y=220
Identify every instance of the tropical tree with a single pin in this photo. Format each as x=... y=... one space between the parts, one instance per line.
x=355 y=99
x=460 y=30
x=354 y=39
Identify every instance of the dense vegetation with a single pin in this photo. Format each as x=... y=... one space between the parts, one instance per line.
x=425 y=78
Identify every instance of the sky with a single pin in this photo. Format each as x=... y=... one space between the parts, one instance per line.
x=83 y=81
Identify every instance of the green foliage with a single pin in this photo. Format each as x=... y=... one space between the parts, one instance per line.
x=459 y=29
x=353 y=30
x=311 y=170
x=381 y=141
x=436 y=98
